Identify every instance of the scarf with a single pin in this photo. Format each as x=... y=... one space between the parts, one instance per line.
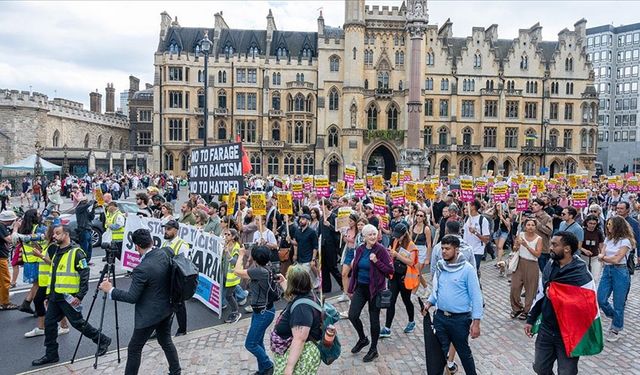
x=442 y=265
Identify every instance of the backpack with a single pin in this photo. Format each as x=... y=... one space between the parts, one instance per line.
x=329 y=316
x=184 y=278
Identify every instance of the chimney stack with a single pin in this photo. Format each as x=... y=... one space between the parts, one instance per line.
x=95 y=102
x=110 y=103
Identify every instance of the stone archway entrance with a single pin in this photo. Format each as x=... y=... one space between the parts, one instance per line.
x=334 y=166
x=381 y=162
x=506 y=167
x=554 y=168
x=444 y=168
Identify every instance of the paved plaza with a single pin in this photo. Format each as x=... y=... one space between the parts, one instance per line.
x=501 y=349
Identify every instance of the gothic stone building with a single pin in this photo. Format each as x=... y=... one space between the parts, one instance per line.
x=385 y=91
x=80 y=140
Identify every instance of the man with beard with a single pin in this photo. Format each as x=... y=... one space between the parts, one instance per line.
x=179 y=246
x=305 y=248
x=69 y=284
x=458 y=299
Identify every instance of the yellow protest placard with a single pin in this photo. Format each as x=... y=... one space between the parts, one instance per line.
x=99 y=196
x=340 y=186
x=378 y=183
x=359 y=188
x=231 y=202
x=285 y=203
x=430 y=191
x=342 y=220
x=397 y=196
x=322 y=186
x=540 y=184
x=350 y=174
x=394 y=178
x=379 y=204
x=297 y=187
x=410 y=191
x=407 y=174
x=572 y=180
x=259 y=203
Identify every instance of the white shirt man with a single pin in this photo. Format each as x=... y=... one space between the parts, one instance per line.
x=476 y=231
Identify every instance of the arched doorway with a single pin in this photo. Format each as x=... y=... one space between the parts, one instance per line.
x=334 y=166
x=444 y=168
x=382 y=162
x=506 y=166
x=491 y=166
x=554 y=168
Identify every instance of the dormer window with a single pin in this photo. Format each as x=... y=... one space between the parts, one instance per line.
x=173 y=48
x=228 y=51
x=253 y=52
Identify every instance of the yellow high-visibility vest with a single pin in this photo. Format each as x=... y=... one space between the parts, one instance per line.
x=116 y=234
x=175 y=246
x=27 y=249
x=232 y=278
x=67 y=277
x=44 y=269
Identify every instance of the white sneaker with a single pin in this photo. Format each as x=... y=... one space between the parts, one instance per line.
x=62 y=331
x=34 y=332
x=613 y=336
x=343 y=298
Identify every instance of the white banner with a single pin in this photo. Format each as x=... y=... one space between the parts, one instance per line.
x=206 y=252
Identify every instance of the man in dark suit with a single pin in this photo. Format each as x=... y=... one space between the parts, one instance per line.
x=149 y=291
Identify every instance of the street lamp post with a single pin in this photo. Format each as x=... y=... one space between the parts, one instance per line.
x=65 y=161
x=205 y=47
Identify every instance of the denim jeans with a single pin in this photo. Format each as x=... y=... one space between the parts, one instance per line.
x=614 y=280
x=455 y=330
x=549 y=348
x=85 y=243
x=254 y=342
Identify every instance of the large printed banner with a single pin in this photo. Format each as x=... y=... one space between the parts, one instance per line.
x=206 y=254
x=216 y=169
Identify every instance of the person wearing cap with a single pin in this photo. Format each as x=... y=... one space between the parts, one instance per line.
x=179 y=246
x=7 y=221
x=305 y=248
x=404 y=254
x=150 y=293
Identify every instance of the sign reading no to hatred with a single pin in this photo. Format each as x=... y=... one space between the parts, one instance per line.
x=216 y=169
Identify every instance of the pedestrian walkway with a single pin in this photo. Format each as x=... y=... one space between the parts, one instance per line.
x=502 y=348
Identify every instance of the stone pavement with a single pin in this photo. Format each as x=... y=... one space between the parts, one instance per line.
x=501 y=349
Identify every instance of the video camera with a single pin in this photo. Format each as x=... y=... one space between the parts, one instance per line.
x=112 y=251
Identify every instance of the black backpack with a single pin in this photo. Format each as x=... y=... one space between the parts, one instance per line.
x=184 y=277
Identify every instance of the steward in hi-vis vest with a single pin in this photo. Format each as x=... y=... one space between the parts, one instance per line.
x=115 y=221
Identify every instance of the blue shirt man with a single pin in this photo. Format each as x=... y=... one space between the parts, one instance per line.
x=458 y=299
x=569 y=224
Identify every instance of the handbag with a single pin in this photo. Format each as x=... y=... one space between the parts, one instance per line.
x=383 y=299
x=283 y=254
x=512 y=262
x=278 y=344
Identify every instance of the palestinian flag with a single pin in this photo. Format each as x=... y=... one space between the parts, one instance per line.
x=576 y=309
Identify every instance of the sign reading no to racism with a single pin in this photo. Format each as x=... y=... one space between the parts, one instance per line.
x=216 y=169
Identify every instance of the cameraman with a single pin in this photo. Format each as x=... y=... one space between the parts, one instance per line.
x=85 y=212
x=149 y=291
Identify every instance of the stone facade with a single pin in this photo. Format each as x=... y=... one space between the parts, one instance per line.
x=385 y=91
x=92 y=140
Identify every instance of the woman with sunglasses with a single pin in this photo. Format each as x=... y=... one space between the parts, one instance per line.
x=421 y=236
x=615 y=277
x=592 y=245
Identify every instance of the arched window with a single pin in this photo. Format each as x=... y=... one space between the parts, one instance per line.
x=253 y=52
x=299 y=165
x=443 y=136
x=583 y=140
x=298 y=105
x=334 y=64
x=289 y=133
x=110 y=143
x=477 y=60
x=333 y=99
x=529 y=167
x=121 y=144
x=553 y=138
x=200 y=98
x=530 y=137
x=428 y=84
x=307 y=133
x=275 y=101
x=567 y=139
x=56 y=139
x=372 y=118
x=399 y=58
x=289 y=164
x=430 y=58
x=201 y=76
x=366 y=84
x=444 y=84
x=591 y=142
x=400 y=88
x=86 y=141
x=299 y=132
x=222 y=130
x=309 y=103
x=184 y=161
x=222 y=99
x=383 y=80
x=489 y=84
x=524 y=62
x=568 y=64
x=274 y=79
x=466 y=166
x=228 y=50
x=273 y=164
x=392 y=118
x=571 y=166
x=467 y=133
x=308 y=164
x=99 y=143
x=168 y=161
x=275 y=131
x=333 y=137
x=256 y=163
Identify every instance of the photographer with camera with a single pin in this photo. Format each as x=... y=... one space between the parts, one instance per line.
x=179 y=246
x=85 y=212
x=68 y=285
x=149 y=291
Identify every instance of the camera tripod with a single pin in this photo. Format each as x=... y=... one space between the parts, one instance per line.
x=108 y=270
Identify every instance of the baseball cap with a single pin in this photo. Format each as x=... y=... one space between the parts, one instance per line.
x=171 y=224
x=399 y=230
x=305 y=216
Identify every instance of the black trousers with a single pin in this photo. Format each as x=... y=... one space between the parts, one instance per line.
x=330 y=267
x=139 y=339
x=38 y=301
x=55 y=312
x=396 y=286
x=358 y=300
x=181 y=317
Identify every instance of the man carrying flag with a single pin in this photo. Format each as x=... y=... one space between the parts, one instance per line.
x=565 y=313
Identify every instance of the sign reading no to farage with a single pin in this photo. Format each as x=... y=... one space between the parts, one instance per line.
x=216 y=169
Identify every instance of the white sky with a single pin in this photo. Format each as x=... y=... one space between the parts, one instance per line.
x=67 y=49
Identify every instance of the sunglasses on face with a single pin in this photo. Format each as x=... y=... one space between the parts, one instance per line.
x=419 y=215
